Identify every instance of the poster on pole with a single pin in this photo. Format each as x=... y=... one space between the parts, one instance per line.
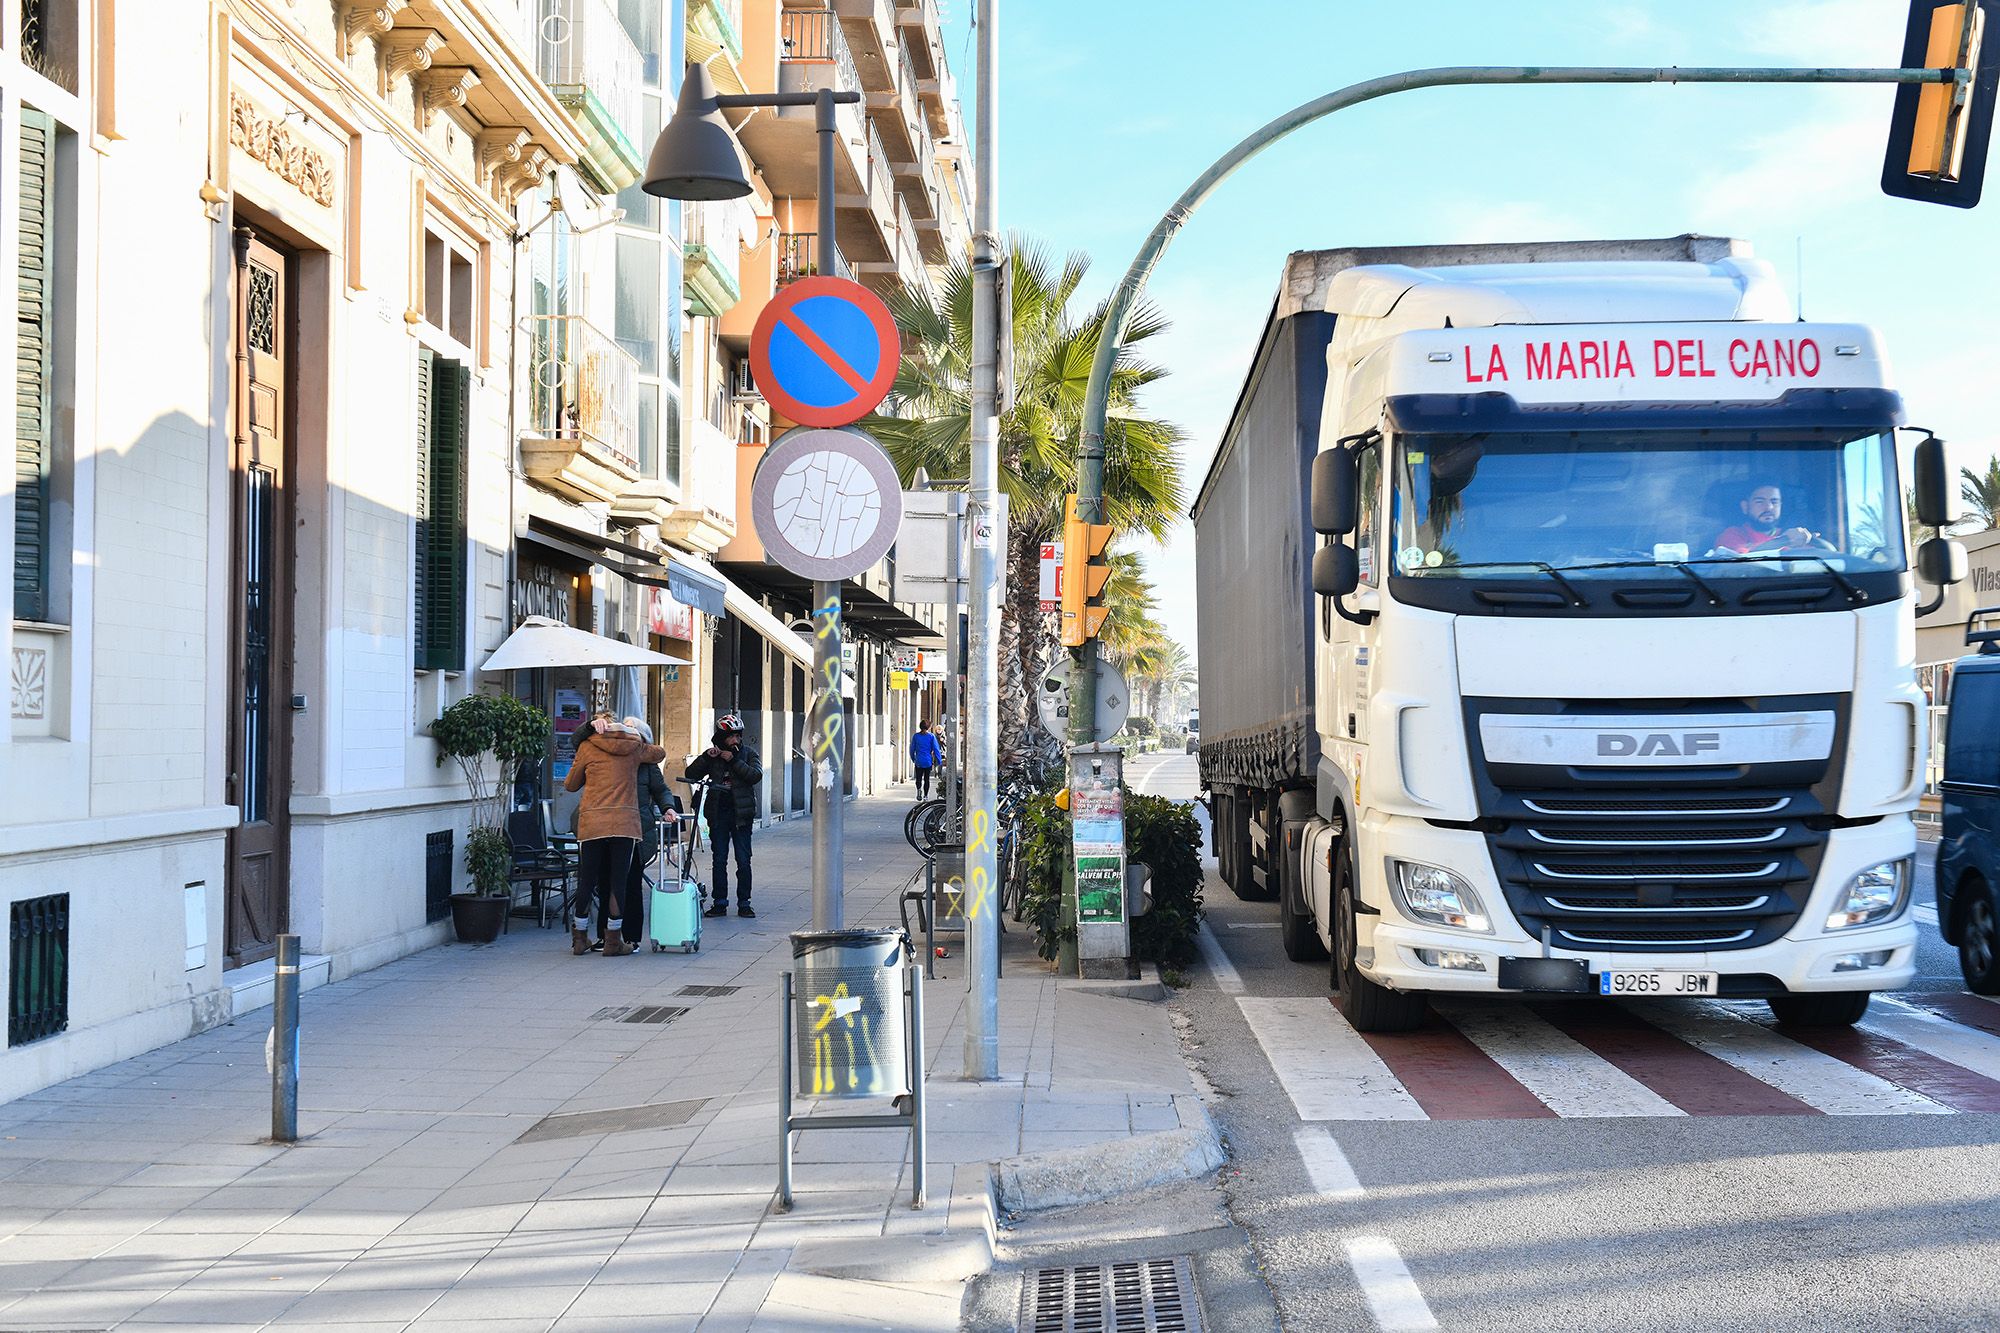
x=1097 y=827
x=1050 y=569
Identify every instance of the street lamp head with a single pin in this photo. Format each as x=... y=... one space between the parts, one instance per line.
x=696 y=156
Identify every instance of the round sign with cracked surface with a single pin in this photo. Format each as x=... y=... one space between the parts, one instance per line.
x=826 y=504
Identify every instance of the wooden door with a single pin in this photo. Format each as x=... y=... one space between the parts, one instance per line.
x=260 y=775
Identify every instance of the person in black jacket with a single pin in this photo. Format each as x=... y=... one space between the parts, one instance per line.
x=730 y=808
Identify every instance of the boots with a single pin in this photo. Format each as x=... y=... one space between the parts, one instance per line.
x=579 y=942
x=614 y=943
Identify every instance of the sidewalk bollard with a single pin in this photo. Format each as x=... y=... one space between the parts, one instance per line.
x=285 y=1043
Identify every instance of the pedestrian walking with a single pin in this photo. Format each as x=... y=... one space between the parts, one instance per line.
x=732 y=764
x=606 y=772
x=655 y=800
x=925 y=754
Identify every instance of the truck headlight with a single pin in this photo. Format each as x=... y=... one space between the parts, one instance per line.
x=1877 y=894
x=1437 y=897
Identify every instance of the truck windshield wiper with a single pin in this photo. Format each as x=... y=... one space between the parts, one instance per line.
x=1855 y=594
x=1714 y=598
x=1575 y=598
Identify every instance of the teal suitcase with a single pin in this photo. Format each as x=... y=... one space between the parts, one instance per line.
x=673 y=917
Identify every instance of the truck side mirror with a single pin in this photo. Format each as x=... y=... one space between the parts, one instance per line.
x=1336 y=508
x=1336 y=570
x=1937 y=507
x=1940 y=561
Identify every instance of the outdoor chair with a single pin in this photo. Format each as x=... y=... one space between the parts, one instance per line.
x=537 y=862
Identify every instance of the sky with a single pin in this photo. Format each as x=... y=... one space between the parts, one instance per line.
x=1110 y=108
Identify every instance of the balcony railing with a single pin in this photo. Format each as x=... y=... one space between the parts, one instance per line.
x=589 y=62
x=797 y=256
x=813 y=36
x=585 y=387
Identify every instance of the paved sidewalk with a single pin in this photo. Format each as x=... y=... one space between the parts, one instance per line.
x=432 y=1191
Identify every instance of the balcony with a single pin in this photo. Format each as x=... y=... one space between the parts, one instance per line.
x=811 y=54
x=594 y=70
x=705 y=519
x=867 y=217
x=583 y=410
x=710 y=282
x=870 y=27
x=922 y=36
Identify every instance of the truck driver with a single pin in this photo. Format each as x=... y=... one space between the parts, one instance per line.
x=1759 y=530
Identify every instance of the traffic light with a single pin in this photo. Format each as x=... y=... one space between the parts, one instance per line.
x=1084 y=571
x=1939 y=132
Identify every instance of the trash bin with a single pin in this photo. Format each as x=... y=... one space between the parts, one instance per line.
x=847 y=995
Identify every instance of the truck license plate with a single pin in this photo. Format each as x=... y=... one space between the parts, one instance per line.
x=1656 y=983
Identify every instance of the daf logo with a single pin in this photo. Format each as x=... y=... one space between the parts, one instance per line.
x=1688 y=743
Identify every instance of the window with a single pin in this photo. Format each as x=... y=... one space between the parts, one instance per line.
x=444 y=392
x=451 y=286
x=1972 y=746
x=34 y=370
x=638 y=312
x=1368 y=486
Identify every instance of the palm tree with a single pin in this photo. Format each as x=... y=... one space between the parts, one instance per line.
x=1981 y=492
x=930 y=427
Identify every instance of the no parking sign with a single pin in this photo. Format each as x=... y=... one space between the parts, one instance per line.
x=825 y=351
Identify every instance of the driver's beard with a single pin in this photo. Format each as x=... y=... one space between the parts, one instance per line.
x=1768 y=528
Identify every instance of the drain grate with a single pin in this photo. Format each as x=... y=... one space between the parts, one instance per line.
x=617 y=1120
x=1133 y=1296
x=645 y=1013
x=708 y=991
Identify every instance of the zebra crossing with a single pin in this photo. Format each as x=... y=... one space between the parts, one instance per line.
x=1912 y=1054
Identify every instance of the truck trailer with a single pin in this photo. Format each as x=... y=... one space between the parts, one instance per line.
x=1557 y=633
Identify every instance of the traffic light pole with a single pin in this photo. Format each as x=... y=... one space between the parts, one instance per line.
x=1097 y=396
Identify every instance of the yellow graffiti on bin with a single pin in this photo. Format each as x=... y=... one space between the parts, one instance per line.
x=845 y=1009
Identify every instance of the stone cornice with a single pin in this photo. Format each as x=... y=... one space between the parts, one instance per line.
x=520 y=177
x=498 y=148
x=354 y=20
x=405 y=52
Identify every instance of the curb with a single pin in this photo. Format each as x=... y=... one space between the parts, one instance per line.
x=962 y=1251
x=1146 y=986
x=1068 y=1176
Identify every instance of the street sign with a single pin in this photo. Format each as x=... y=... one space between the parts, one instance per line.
x=1051 y=572
x=899 y=680
x=1114 y=701
x=930 y=548
x=824 y=351
x=826 y=503
x=903 y=659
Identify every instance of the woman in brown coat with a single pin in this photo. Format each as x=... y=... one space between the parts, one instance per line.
x=606 y=771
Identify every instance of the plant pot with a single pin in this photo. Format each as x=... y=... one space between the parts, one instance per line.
x=477 y=918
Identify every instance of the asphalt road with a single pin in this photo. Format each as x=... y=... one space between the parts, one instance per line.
x=1585 y=1166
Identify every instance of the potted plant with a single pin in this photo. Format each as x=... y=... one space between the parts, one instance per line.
x=488 y=735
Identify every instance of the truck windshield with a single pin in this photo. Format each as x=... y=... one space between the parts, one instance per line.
x=1609 y=504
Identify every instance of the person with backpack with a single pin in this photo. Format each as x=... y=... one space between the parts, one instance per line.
x=926 y=754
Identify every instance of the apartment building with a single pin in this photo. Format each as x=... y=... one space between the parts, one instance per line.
x=345 y=339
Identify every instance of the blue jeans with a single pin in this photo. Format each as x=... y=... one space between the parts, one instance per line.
x=723 y=832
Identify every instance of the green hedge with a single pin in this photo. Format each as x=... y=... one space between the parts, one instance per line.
x=1161 y=833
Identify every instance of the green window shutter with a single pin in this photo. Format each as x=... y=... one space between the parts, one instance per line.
x=442 y=525
x=34 y=367
x=420 y=565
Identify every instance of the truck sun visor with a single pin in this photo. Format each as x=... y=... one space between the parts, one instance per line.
x=1846 y=411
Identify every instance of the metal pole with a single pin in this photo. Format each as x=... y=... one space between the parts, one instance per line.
x=785 y=1093
x=982 y=910
x=829 y=721
x=285 y=1043
x=1097 y=396
x=954 y=667
x=919 y=1141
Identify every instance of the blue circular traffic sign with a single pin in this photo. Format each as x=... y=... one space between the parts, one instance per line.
x=825 y=351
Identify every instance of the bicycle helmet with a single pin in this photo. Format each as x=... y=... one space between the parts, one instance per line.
x=729 y=722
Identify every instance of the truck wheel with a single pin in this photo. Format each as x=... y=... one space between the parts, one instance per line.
x=1979 y=937
x=1296 y=930
x=1365 y=1005
x=1838 y=1009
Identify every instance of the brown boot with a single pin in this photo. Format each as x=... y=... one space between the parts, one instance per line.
x=579 y=942
x=614 y=943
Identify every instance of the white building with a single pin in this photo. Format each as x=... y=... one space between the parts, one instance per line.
x=344 y=340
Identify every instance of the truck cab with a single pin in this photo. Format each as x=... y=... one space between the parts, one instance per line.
x=1613 y=665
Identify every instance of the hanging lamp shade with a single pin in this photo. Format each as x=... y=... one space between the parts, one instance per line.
x=696 y=156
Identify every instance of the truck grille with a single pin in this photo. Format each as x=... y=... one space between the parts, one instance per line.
x=1667 y=859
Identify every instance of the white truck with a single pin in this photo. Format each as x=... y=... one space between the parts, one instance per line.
x=1557 y=632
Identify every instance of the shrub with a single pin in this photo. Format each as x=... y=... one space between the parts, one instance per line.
x=1159 y=832
x=487 y=858
x=480 y=726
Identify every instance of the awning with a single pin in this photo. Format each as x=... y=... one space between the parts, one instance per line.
x=541 y=642
x=691 y=581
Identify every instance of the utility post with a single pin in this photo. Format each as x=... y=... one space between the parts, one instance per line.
x=988 y=543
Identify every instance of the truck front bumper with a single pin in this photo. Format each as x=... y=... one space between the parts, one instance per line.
x=1875 y=958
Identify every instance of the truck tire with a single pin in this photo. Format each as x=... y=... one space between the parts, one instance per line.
x=1296 y=929
x=1836 y=1009
x=1978 y=921
x=1365 y=1005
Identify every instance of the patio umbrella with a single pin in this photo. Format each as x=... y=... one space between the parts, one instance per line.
x=542 y=642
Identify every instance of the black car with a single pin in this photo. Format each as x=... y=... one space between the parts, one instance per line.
x=1968 y=858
